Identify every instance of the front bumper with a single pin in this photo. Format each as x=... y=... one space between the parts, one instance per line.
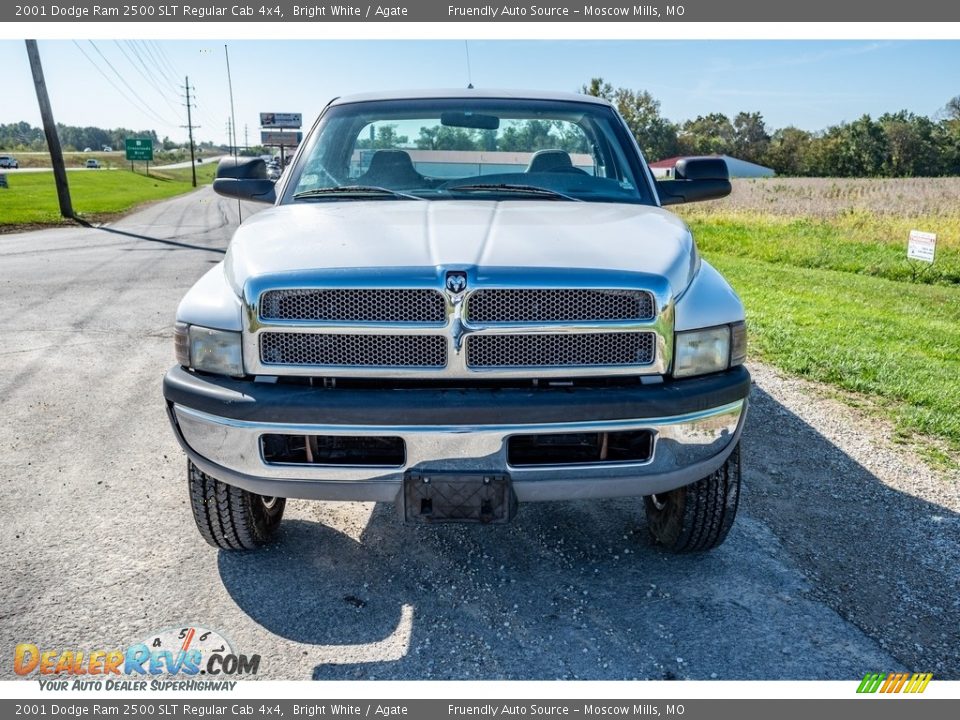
x=219 y=421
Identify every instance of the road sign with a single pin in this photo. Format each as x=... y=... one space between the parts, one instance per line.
x=922 y=246
x=294 y=121
x=276 y=138
x=139 y=149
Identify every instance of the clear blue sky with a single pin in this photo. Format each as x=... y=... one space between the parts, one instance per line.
x=810 y=84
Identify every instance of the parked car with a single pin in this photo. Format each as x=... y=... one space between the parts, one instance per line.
x=9 y=162
x=93 y=164
x=459 y=331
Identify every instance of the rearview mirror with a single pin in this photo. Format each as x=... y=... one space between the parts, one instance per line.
x=245 y=179
x=472 y=120
x=695 y=179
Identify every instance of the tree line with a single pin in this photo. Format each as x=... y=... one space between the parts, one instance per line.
x=24 y=137
x=899 y=144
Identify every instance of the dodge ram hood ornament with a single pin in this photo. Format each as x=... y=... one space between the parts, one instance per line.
x=456 y=282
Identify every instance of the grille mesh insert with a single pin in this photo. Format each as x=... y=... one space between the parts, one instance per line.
x=517 y=351
x=330 y=350
x=354 y=305
x=539 y=305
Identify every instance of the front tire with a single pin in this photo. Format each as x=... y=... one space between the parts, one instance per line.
x=697 y=517
x=228 y=517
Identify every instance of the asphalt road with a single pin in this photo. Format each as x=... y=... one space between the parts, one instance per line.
x=836 y=566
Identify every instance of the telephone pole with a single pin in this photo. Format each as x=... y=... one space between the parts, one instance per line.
x=246 y=136
x=193 y=163
x=50 y=131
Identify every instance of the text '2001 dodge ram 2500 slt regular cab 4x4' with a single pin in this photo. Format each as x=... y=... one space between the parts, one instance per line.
x=458 y=301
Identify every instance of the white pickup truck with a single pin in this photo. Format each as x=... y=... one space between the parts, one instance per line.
x=461 y=300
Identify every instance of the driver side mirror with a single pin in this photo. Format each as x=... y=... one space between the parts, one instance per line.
x=245 y=179
x=695 y=179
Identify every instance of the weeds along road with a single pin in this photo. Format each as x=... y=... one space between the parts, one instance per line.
x=844 y=558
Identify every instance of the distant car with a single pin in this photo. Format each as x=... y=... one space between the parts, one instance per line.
x=199 y=159
x=88 y=149
x=93 y=164
x=8 y=161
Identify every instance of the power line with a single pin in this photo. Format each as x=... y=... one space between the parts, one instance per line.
x=155 y=60
x=129 y=87
x=162 y=54
x=147 y=77
x=155 y=70
x=115 y=86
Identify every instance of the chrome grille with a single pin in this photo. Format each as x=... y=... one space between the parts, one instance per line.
x=546 y=305
x=566 y=350
x=354 y=305
x=333 y=350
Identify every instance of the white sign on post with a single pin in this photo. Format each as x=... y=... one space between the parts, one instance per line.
x=922 y=246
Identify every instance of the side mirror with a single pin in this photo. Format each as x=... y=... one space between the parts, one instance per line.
x=696 y=179
x=245 y=179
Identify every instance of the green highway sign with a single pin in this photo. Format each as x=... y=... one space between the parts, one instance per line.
x=140 y=149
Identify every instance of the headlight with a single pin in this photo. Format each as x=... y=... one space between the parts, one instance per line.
x=699 y=352
x=214 y=351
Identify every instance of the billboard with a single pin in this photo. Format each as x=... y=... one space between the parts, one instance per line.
x=281 y=120
x=277 y=139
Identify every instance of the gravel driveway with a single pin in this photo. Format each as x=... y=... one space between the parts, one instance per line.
x=844 y=558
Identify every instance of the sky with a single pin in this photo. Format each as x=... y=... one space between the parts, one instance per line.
x=136 y=83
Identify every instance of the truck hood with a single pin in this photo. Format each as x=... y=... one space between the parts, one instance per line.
x=319 y=236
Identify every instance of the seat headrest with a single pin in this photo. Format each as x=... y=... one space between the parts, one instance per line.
x=549 y=160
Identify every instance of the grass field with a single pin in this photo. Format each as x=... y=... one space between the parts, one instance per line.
x=115 y=159
x=821 y=266
x=97 y=195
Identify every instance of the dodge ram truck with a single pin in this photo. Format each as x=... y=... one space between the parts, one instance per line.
x=460 y=301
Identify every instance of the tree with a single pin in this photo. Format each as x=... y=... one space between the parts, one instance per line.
x=711 y=134
x=788 y=152
x=750 y=137
x=655 y=135
x=381 y=137
x=911 y=145
x=440 y=137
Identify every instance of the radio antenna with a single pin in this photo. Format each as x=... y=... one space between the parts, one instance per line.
x=466 y=48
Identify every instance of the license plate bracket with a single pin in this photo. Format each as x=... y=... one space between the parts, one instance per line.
x=485 y=498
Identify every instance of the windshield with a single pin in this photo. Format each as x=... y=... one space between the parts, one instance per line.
x=469 y=148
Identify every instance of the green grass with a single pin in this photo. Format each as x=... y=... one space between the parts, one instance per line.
x=896 y=342
x=855 y=243
x=31 y=198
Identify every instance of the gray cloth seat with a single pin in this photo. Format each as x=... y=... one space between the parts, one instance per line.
x=391 y=169
x=551 y=161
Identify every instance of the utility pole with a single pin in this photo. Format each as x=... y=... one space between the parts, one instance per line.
x=229 y=138
x=193 y=163
x=246 y=136
x=50 y=130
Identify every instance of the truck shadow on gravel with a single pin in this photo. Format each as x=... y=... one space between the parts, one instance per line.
x=821 y=550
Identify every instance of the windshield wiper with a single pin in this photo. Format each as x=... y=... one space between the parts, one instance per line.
x=513 y=188
x=353 y=191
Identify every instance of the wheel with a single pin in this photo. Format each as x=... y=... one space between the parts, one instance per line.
x=697 y=517
x=228 y=517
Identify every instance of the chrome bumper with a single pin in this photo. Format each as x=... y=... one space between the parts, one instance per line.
x=686 y=448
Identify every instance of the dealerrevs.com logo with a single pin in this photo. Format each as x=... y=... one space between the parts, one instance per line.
x=894 y=683
x=174 y=659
